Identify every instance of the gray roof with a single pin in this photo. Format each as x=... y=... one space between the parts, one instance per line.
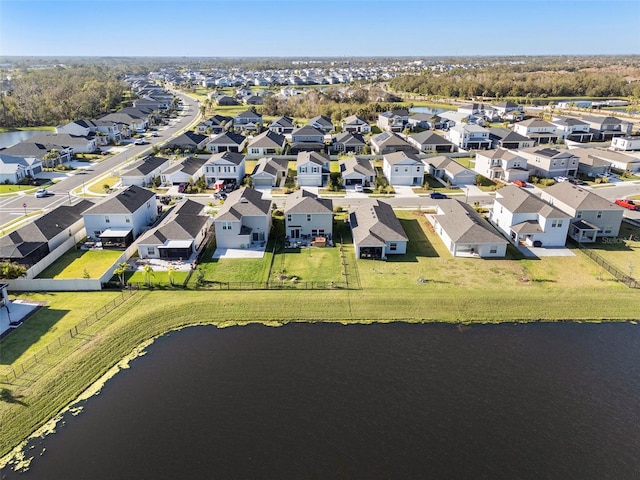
x=350 y=165
x=464 y=225
x=519 y=200
x=64 y=139
x=248 y=114
x=446 y=163
x=603 y=120
x=373 y=223
x=227 y=138
x=145 y=166
x=313 y=157
x=507 y=135
x=349 y=139
x=308 y=130
x=268 y=139
x=535 y=122
x=397 y=157
x=569 y=121
x=190 y=139
x=303 y=201
x=189 y=165
x=245 y=202
x=286 y=122
x=272 y=166
x=30 y=149
x=321 y=120
x=46 y=227
x=125 y=201
x=578 y=198
x=430 y=138
x=231 y=157
x=351 y=119
x=388 y=139
x=184 y=222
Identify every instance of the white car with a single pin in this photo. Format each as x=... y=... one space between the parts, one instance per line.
x=560 y=179
x=358 y=188
x=41 y=193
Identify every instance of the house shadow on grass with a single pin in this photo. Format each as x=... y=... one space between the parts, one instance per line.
x=418 y=245
x=34 y=327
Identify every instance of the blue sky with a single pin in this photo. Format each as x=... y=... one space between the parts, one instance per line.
x=224 y=28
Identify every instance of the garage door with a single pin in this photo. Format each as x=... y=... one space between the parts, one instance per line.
x=261 y=182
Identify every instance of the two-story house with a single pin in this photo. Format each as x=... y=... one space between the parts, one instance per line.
x=248 y=120
x=593 y=216
x=393 y=120
x=402 y=168
x=226 y=167
x=525 y=218
x=307 y=138
x=540 y=131
x=468 y=136
x=119 y=219
x=550 y=162
x=572 y=129
x=312 y=169
x=607 y=128
x=244 y=220
x=501 y=164
x=307 y=216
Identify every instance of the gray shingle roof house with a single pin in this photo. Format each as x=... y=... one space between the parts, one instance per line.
x=243 y=220
x=312 y=169
x=376 y=230
x=505 y=138
x=144 y=171
x=348 y=143
x=267 y=143
x=355 y=124
x=594 y=216
x=431 y=142
x=227 y=166
x=402 y=168
x=38 y=150
x=226 y=141
x=32 y=242
x=357 y=171
x=307 y=138
x=13 y=169
x=188 y=142
x=388 y=142
x=248 y=120
x=188 y=170
x=179 y=235
x=270 y=172
x=464 y=232
x=322 y=123
x=448 y=170
x=282 y=125
x=307 y=215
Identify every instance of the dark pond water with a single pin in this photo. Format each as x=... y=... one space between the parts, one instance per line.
x=539 y=401
x=8 y=139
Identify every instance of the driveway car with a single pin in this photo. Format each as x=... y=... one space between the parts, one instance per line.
x=520 y=183
x=358 y=188
x=626 y=203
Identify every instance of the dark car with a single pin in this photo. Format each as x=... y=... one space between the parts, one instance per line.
x=438 y=195
x=182 y=187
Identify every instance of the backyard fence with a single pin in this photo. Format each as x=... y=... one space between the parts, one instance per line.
x=38 y=358
x=274 y=285
x=618 y=274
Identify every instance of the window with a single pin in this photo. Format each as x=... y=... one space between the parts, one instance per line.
x=578 y=214
x=255 y=150
x=106 y=219
x=314 y=169
x=393 y=247
x=599 y=215
x=288 y=218
x=608 y=229
x=151 y=250
x=226 y=225
x=314 y=232
x=308 y=217
x=493 y=249
x=127 y=219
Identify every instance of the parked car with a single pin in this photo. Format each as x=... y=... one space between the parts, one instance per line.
x=139 y=141
x=560 y=179
x=182 y=187
x=43 y=192
x=626 y=203
x=438 y=195
x=358 y=188
x=520 y=183
x=577 y=181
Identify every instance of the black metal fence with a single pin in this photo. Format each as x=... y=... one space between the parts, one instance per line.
x=618 y=274
x=288 y=284
x=38 y=358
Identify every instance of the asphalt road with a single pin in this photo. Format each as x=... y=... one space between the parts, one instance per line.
x=60 y=193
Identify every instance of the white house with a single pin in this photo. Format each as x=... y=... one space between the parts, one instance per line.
x=312 y=169
x=119 y=219
x=550 y=162
x=501 y=164
x=608 y=128
x=464 y=232
x=243 y=220
x=540 y=131
x=468 y=136
x=357 y=171
x=593 y=216
x=449 y=171
x=144 y=172
x=267 y=143
x=402 y=168
x=307 y=216
x=226 y=166
x=355 y=124
x=13 y=169
x=431 y=142
x=572 y=129
x=376 y=230
x=270 y=172
x=188 y=170
x=625 y=144
x=525 y=218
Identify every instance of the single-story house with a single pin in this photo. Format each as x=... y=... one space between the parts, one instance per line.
x=355 y=124
x=376 y=231
x=267 y=143
x=144 y=172
x=357 y=171
x=226 y=142
x=388 y=142
x=188 y=170
x=282 y=125
x=505 y=138
x=348 y=143
x=448 y=170
x=270 y=172
x=431 y=142
x=179 y=235
x=322 y=123
x=464 y=232
x=188 y=142
x=14 y=169
x=243 y=220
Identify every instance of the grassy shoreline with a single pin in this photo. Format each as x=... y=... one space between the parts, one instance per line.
x=150 y=314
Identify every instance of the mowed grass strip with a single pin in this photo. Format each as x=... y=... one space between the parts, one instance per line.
x=78 y=263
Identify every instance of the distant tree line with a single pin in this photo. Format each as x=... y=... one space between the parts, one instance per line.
x=52 y=96
x=514 y=81
x=335 y=103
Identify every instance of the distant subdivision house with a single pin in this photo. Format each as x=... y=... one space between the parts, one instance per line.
x=376 y=231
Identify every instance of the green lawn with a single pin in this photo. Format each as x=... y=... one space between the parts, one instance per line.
x=156 y=279
x=623 y=251
x=78 y=263
x=468 y=162
x=308 y=265
x=16 y=188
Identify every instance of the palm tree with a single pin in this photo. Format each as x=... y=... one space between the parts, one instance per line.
x=148 y=273
x=170 y=271
x=120 y=271
x=50 y=155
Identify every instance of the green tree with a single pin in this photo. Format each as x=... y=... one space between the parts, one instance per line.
x=148 y=273
x=171 y=270
x=10 y=270
x=121 y=271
